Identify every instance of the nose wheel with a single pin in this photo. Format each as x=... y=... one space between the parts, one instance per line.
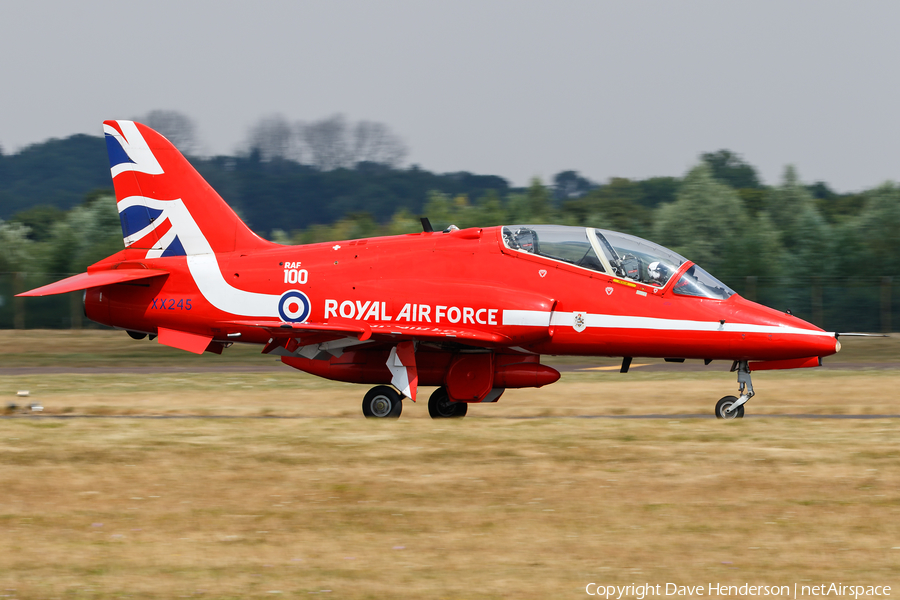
x=724 y=408
x=382 y=402
x=732 y=407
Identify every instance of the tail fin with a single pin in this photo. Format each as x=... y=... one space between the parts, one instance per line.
x=165 y=206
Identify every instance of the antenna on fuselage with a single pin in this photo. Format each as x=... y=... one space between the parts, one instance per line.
x=426 y=225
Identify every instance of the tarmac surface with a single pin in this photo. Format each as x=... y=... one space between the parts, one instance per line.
x=506 y=418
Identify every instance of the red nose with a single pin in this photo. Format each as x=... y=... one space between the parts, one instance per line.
x=774 y=335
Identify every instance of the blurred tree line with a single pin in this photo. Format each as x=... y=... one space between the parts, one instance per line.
x=830 y=258
x=290 y=175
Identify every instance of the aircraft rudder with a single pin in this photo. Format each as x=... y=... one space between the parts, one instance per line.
x=165 y=205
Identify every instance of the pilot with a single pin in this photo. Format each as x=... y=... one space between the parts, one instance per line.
x=659 y=272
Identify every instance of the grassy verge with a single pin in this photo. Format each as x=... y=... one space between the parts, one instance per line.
x=423 y=509
x=476 y=508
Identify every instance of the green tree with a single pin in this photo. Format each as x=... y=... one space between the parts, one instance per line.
x=877 y=228
x=280 y=236
x=16 y=249
x=439 y=210
x=754 y=199
x=707 y=224
x=402 y=222
x=658 y=190
x=614 y=206
x=803 y=232
x=88 y=234
x=730 y=168
x=538 y=202
x=532 y=207
x=833 y=206
x=787 y=201
x=568 y=185
x=489 y=210
x=462 y=213
x=39 y=221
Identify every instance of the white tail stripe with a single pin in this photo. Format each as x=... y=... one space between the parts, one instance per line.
x=136 y=148
x=183 y=224
x=205 y=271
x=201 y=260
x=159 y=247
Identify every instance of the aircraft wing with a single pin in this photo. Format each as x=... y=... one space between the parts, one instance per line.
x=439 y=333
x=91 y=280
x=288 y=330
x=364 y=331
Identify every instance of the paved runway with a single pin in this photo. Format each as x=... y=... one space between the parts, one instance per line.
x=688 y=366
x=508 y=418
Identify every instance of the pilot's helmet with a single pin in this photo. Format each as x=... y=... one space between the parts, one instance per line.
x=657 y=271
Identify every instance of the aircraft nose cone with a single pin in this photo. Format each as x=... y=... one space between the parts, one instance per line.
x=810 y=344
x=825 y=345
x=786 y=336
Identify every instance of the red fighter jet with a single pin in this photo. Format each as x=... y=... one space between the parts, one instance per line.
x=468 y=310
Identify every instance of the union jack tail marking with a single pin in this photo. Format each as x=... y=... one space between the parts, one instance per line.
x=165 y=206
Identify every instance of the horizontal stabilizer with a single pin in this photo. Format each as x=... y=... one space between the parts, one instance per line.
x=92 y=280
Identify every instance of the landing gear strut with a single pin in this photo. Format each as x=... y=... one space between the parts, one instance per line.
x=731 y=407
x=441 y=407
x=382 y=402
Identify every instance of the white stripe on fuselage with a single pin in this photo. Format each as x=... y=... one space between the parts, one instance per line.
x=205 y=271
x=539 y=318
x=201 y=260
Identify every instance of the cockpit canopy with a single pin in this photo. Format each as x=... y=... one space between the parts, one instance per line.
x=618 y=254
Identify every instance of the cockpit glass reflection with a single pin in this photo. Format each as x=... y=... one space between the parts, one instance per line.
x=566 y=244
x=619 y=254
x=637 y=259
x=697 y=282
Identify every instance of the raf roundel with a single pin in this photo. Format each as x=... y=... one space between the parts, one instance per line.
x=293 y=307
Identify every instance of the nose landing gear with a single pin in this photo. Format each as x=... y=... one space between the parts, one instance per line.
x=731 y=407
x=725 y=408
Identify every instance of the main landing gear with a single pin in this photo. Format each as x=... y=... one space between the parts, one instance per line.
x=731 y=407
x=441 y=407
x=382 y=402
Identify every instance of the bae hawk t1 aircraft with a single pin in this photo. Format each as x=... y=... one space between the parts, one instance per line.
x=468 y=310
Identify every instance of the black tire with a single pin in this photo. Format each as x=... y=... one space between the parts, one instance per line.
x=724 y=403
x=382 y=402
x=136 y=335
x=441 y=407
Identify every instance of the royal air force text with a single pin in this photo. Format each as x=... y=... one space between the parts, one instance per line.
x=371 y=310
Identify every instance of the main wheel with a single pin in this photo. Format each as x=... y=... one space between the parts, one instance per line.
x=382 y=402
x=441 y=407
x=725 y=403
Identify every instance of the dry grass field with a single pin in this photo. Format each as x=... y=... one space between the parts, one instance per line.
x=483 y=507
